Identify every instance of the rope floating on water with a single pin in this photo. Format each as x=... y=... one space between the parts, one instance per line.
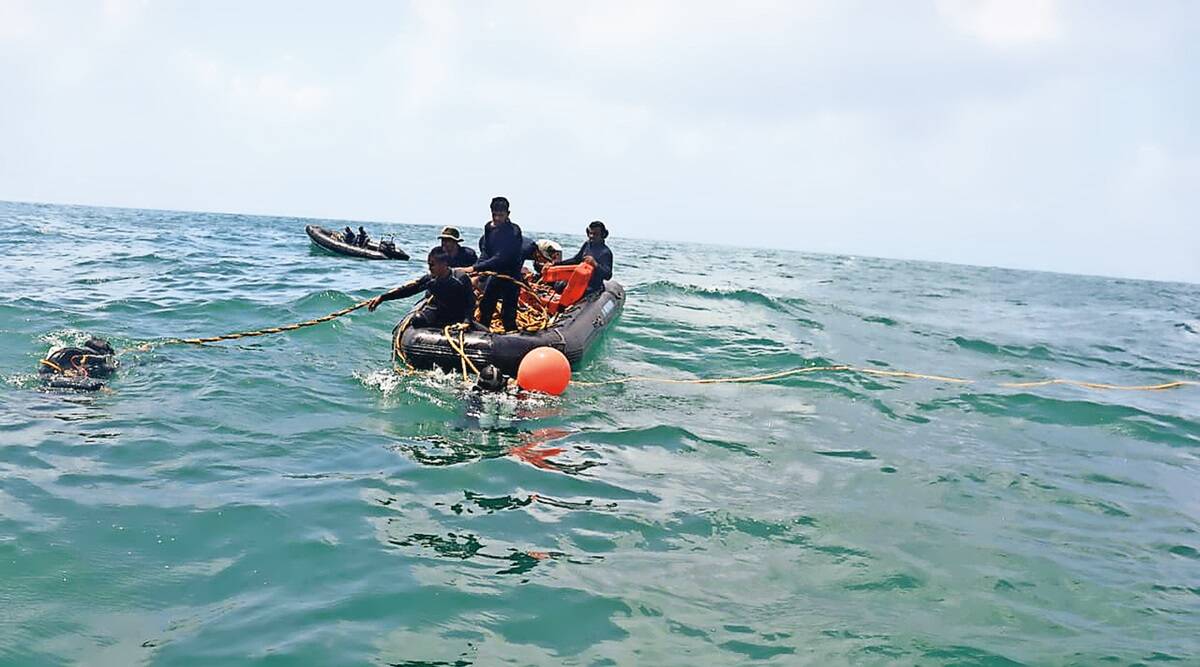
x=541 y=319
x=875 y=371
x=270 y=330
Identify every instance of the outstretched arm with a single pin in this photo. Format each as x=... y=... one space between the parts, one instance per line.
x=407 y=289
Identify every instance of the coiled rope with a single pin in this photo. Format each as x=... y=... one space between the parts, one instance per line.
x=532 y=316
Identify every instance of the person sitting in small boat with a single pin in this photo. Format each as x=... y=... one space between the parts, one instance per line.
x=460 y=257
x=348 y=236
x=93 y=360
x=451 y=296
x=363 y=239
x=597 y=252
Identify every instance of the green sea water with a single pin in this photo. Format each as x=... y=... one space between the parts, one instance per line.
x=290 y=500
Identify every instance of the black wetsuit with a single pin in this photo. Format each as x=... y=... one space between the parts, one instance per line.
x=78 y=360
x=599 y=252
x=465 y=257
x=348 y=236
x=452 y=299
x=500 y=251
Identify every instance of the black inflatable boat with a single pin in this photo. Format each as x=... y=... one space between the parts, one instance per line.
x=332 y=241
x=575 y=330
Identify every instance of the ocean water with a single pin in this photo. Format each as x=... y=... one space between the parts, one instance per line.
x=290 y=500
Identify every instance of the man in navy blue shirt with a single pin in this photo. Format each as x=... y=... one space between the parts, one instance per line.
x=451 y=296
x=595 y=250
x=500 y=252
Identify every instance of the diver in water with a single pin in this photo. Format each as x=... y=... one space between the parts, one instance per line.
x=451 y=296
x=79 y=367
x=490 y=379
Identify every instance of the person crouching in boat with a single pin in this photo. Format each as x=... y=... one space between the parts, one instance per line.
x=451 y=296
x=363 y=239
x=348 y=236
x=451 y=242
x=543 y=253
x=597 y=252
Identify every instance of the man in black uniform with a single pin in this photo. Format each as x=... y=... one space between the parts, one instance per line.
x=500 y=251
x=452 y=298
x=597 y=251
x=460 y=257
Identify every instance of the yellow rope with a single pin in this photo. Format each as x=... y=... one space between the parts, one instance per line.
x=529 y=318
x=876 y=371
x=271 y=330
x=460 y=346
x=51 y=364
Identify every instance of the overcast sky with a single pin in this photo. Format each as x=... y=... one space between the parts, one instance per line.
x=1022 y=133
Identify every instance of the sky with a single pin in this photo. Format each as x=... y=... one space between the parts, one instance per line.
x=1040 y=134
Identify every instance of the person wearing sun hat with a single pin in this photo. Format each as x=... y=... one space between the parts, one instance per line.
x=460 y=256
x=596 y=251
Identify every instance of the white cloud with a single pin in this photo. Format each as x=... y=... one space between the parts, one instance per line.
x=1004 y=23
x=273 y=95
x=18 y=21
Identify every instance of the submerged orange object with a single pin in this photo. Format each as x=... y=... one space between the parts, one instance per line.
x=544 y=369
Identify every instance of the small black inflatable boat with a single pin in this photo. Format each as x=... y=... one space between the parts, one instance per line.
x=575 y=330
x=332 y=241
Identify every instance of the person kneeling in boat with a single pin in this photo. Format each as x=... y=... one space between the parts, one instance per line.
x=543 y=253
x=451 y=296
x=594 y=250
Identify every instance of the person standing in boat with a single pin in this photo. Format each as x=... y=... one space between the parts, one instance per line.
x=451 y=295
x=597 y=252
x=500 y=252
x=460 y=257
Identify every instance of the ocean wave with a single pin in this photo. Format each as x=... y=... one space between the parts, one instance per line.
x=1129 y=421
x=666 y=287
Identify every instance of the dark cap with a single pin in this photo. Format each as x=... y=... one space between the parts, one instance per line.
x=499 y=205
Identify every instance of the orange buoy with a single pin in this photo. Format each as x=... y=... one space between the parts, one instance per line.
x=544 y=369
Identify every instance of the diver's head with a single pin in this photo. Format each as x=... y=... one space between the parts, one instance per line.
x=491 y=379
x=99 y=346
x=439 y=263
